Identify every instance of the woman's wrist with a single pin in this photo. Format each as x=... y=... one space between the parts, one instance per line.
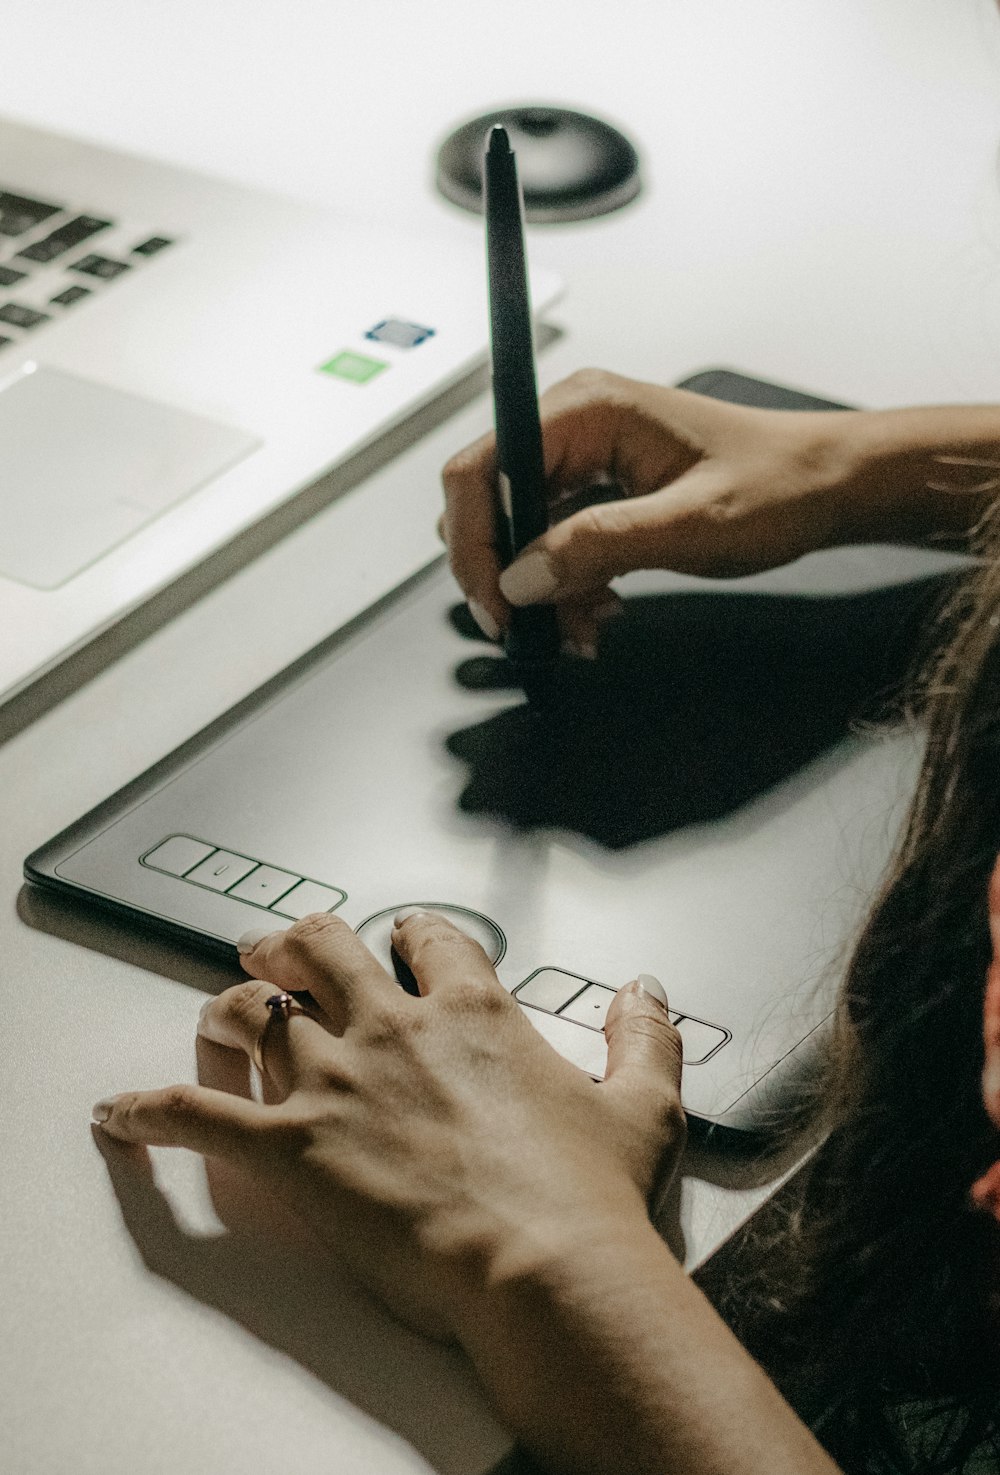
x=488 y=1262
x=542 y=1335
x=602 y=1356
x=921 y=475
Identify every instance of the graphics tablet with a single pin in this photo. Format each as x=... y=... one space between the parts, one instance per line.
x=697 y=804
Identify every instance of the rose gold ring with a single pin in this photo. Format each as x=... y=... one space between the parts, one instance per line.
x=279 y=1006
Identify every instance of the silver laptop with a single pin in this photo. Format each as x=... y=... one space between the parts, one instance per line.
x=178 y=356
x=695 y=804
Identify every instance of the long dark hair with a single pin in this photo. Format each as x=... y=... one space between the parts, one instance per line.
x=873 y=1303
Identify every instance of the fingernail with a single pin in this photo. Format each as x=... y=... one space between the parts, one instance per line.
x=529 y=578
x=402 y=915
x=484 y=620
x=249 y=940
x=653 y=987
x=101 y=1110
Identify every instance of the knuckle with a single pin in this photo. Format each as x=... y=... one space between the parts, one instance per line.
x=664 y=1035
x=591 y=384
x=437 y=941
x=455 y=472
x=177 y=1102
x=242 y=1003
x=335 y=1077
x=471 y=998
x=430 y=929
x=725 y=507
x=291 y=1133
x=586 y=540
x=389 y=1026
x=304 y=935
x=468 y=466
x=126 y=1105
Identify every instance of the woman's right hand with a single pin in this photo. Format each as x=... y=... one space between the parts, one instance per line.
x=696 y=485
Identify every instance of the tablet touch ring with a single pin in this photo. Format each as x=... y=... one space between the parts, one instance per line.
x=376 y=931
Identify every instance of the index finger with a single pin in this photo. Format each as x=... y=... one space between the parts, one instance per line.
x=441 y=955
x=321 y=954
x=470 y=526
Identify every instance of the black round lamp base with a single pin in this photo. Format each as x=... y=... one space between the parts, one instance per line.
x=571 y=166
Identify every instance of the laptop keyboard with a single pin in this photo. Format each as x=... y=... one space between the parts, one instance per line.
x=53 y=257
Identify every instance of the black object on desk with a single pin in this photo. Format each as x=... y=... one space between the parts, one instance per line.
x=573 y=166
x=532 y=641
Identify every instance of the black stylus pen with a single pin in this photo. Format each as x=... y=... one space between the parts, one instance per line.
x=532 y=641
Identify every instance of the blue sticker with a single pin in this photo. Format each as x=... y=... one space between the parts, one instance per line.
x=398 y=333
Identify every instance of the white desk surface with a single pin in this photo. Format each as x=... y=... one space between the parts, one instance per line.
x=821 y=207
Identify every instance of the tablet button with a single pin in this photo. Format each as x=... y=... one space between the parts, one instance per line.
x=306 y=897
x=582 y=1047
x=591 y=1007
x=221 y=870
x=178 y=855
x=265 y=885
x=550 y=988
x=700 y=1040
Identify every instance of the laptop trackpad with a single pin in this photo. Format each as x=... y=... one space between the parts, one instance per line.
x=83 y=467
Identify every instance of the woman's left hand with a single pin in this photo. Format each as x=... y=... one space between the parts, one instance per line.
x=434 y=1142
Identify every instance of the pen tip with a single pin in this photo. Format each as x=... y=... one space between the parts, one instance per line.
x=498 y=142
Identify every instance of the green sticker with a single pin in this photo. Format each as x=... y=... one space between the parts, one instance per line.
x=356 y=367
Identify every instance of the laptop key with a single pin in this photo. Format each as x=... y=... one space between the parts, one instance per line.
x=8 y=276
x=67 y=236
x=152 y=246
x=21 y=317
x=100 y=266
x=19 y=214
x=71 y=295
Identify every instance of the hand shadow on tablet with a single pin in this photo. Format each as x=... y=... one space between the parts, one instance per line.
x=697 y=704
x=268 y=1273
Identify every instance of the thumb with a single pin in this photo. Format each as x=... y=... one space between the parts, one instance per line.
x=670 y=528
x=643 y=1081
x=645 y=1050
